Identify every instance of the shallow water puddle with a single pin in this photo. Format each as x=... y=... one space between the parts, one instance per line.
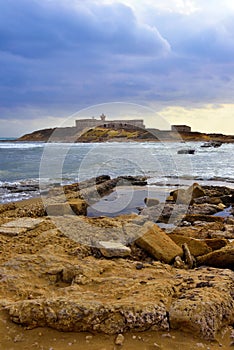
x=14 y=337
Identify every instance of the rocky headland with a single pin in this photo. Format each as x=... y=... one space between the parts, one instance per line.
x=168 y=268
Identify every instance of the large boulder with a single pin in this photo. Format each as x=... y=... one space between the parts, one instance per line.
x=223 y=258
x=165 y=212
x=190 y=231
x=200 y=229
x=204 y=209
x=216 y=243
x=74 y=206
x=196 y=247
x=158 y=244
x=186 y=196
x=79 y=206
x=150 y=202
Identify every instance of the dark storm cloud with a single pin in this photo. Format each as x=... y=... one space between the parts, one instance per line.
x=33 y=29
x=56 y=54
x=53 y=53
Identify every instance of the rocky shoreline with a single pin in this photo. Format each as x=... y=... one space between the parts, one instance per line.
x=168 y=268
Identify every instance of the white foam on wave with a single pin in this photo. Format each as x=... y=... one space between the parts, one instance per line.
x=21 y=145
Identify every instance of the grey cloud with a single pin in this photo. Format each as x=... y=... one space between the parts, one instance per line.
x=32 y=30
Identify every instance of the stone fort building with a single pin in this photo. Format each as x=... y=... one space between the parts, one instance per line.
x=83 y=124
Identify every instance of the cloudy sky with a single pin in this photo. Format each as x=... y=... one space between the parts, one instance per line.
x=59 y=56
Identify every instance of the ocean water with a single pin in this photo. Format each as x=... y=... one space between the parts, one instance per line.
x=28 y=168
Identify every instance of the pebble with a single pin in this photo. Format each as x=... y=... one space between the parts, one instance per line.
x=200 y=345
x=119 y=340
x=166 y=335
x=18 y=338
x=89 y=337
x=139 y=266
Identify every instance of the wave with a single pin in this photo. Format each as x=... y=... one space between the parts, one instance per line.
x=21 y=145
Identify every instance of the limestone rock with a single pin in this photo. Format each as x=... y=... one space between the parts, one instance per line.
x=202 y=310
x=76 y=315
x=223 y=258
x=16 y=227
x=221 y=206
x=157 y=243
x=204 y=209
x=178 y=263
x=27 y=223
x=189 y=259
x=216 y=243
x=119 y=340
x=188 y=231
x=165 y=212
x=78 y=206
x=202 y=217
x=207 y=199
x=114 y=249
x=197 y=247
x=229 y=230
x=58 y=209
x=150 y=202
x=72 y=207
x=229 y=221
x=185 y=196
x=11 y=231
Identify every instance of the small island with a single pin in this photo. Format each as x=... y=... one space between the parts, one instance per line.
x=103 y=130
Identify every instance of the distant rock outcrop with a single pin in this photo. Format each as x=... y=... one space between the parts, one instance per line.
x=39 y=135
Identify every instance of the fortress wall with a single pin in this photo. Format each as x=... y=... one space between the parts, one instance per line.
x=63 y=132
x=91 y=123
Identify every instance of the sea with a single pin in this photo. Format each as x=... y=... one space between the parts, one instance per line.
x=29 y=169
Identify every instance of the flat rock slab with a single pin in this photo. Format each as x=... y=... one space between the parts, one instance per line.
x=27 y=223
x=12 y=231
x=82 y=231
x=114 y=249
x=113 y=296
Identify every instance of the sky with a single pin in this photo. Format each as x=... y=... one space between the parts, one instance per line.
x=60 y=56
